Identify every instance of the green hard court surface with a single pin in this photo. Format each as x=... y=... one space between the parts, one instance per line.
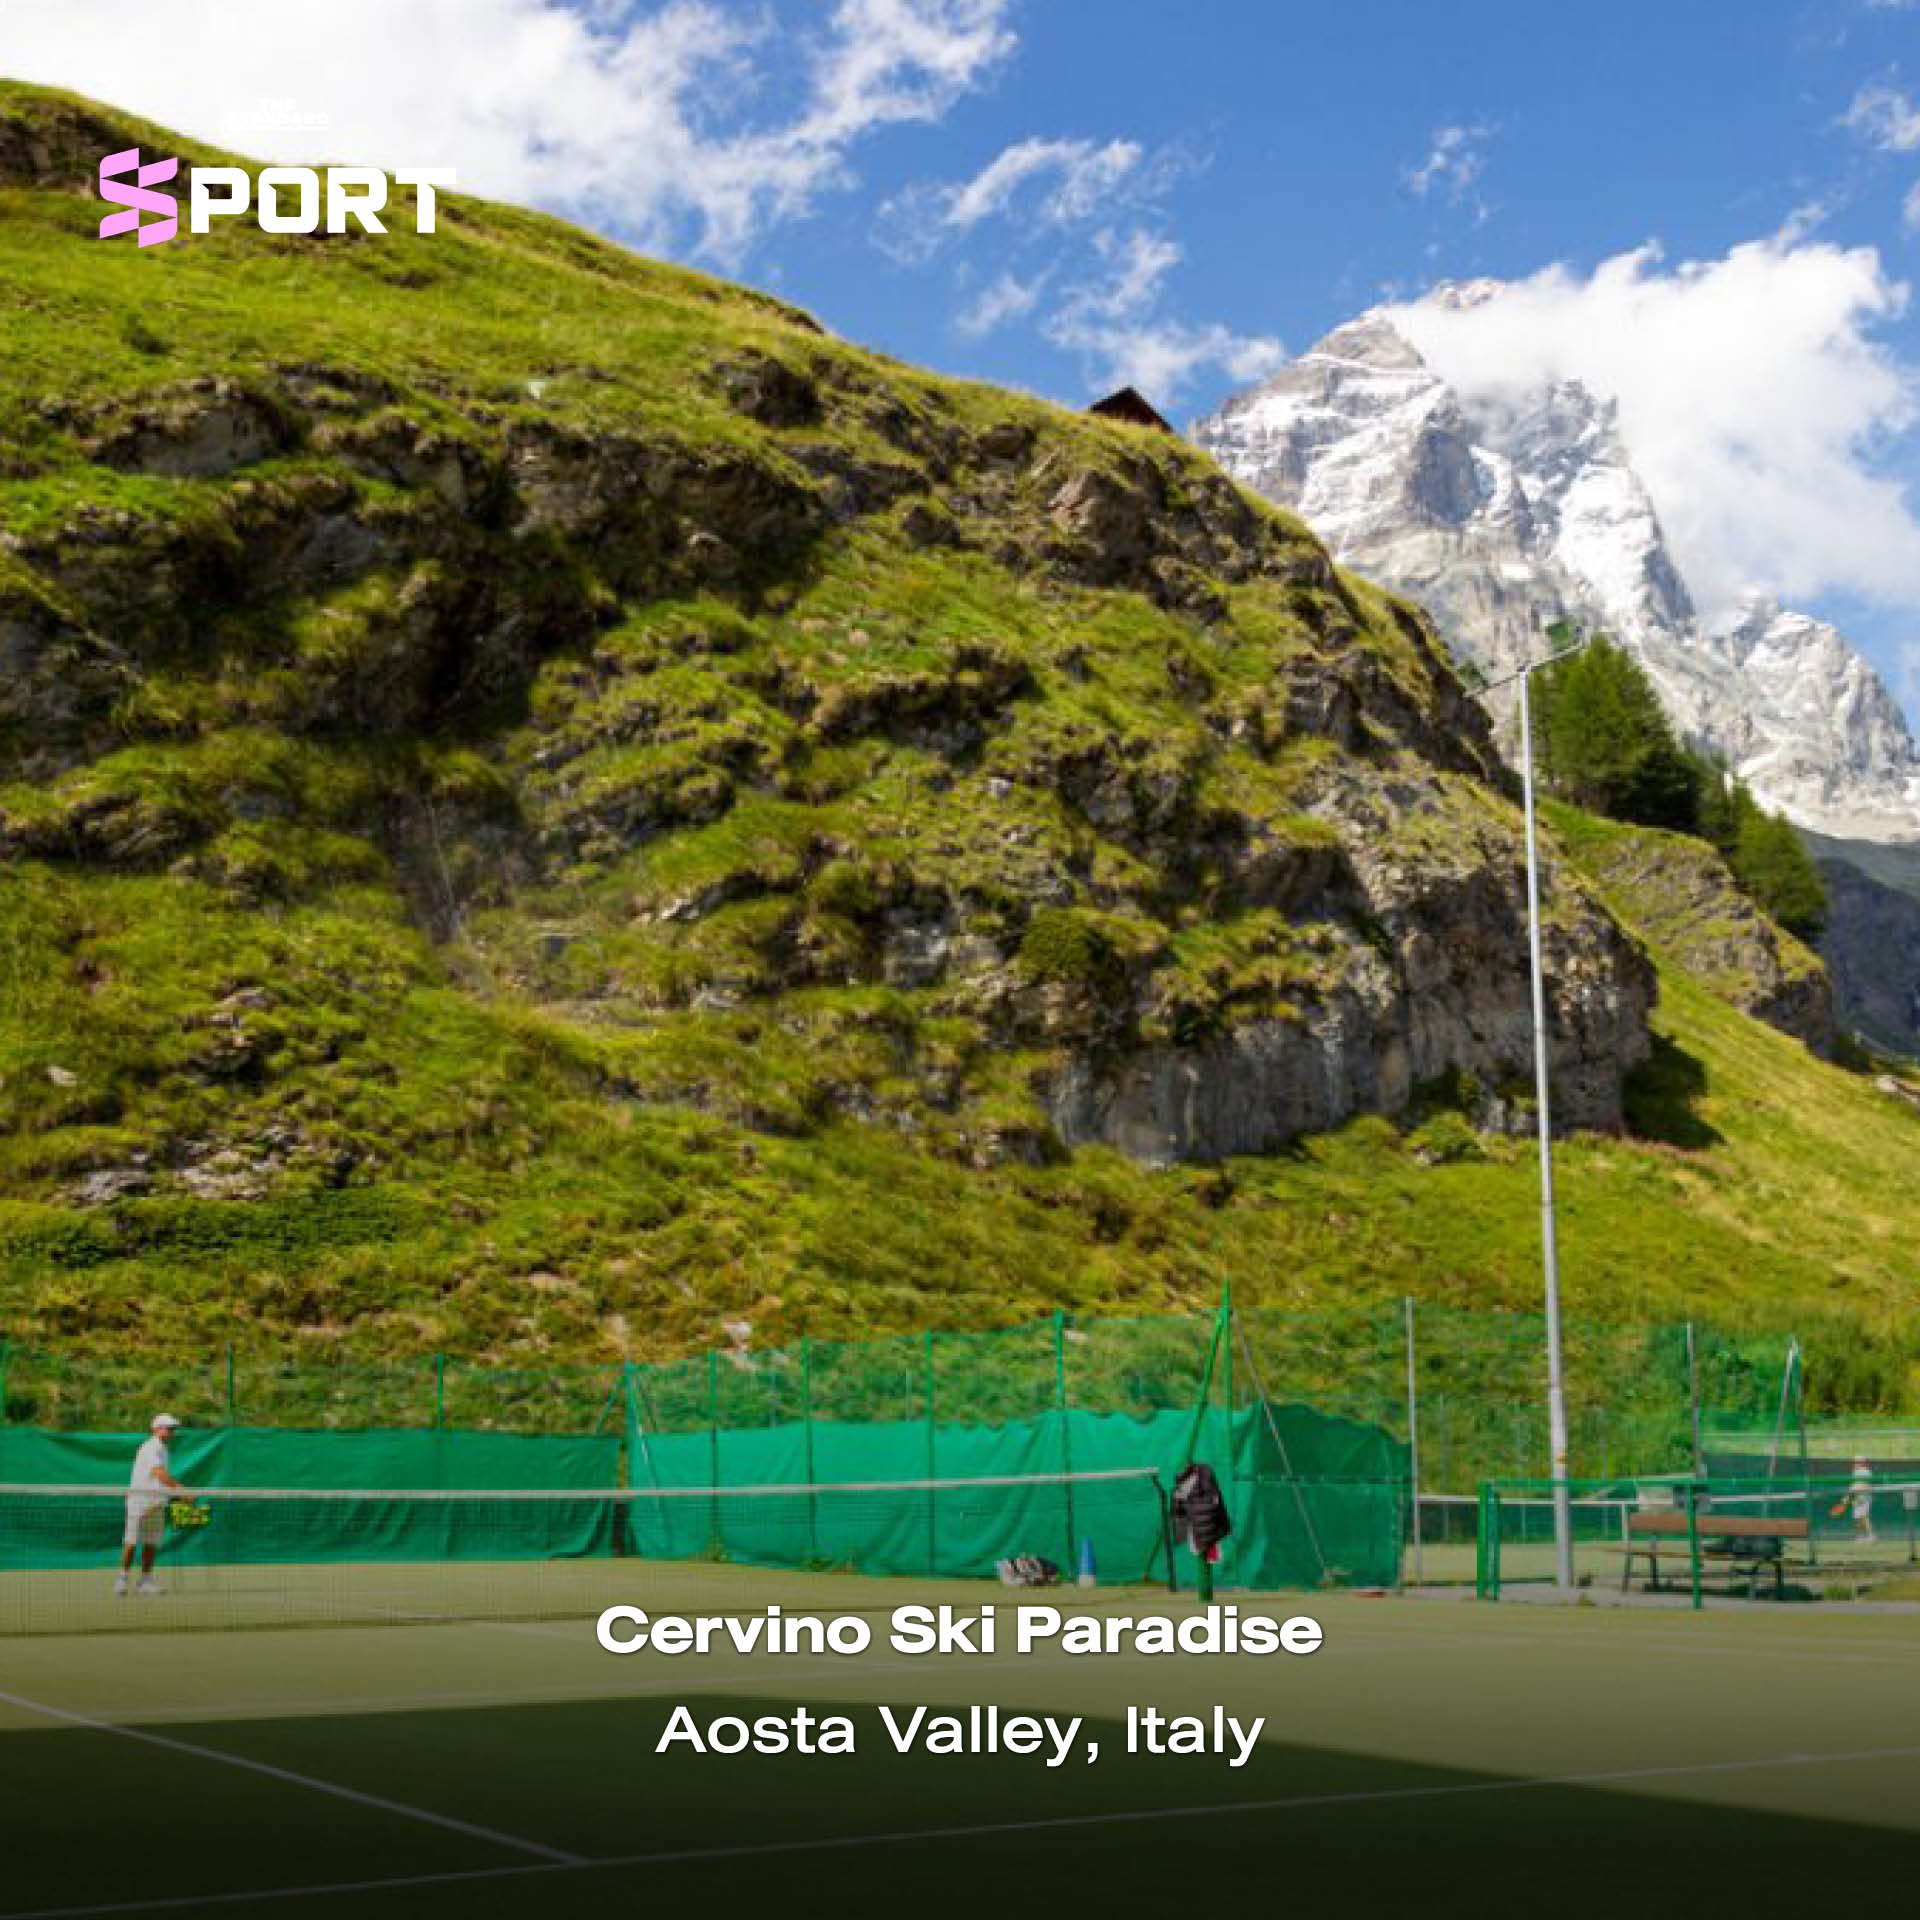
x=1433 y=1756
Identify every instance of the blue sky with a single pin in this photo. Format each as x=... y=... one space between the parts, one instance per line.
x=1061 y=193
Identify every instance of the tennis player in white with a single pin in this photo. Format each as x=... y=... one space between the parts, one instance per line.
x=147 y=1505
x=1860 y=1494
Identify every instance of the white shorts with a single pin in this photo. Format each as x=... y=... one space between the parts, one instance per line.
x=146 y=1519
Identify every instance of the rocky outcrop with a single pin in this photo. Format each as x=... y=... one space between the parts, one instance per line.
x=1872 y=950
x=1370 y=1043
x=198 y=430
x=1678 y=893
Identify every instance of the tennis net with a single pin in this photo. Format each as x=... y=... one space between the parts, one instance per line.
x=228 y=1557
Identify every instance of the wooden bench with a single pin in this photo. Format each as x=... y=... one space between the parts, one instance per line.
x=1749 y=1544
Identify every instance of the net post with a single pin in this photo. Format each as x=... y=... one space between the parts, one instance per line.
x=1166 y=1534
x=1203 y=1582
x=1413 y=1444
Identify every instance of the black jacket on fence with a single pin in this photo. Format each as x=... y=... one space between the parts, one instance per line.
x=1200 y=1517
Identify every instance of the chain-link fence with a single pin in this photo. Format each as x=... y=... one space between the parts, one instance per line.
x=1465 y=1389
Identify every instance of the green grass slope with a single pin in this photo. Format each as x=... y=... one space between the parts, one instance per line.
x=490 y=725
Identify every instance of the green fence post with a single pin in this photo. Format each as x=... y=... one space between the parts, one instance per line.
x=231 y=1420
x=6 y=1353
x=713 y=1446
x=1494 y=1539
x=1693 y=1404
x=1693 y=1540
x=1413 y=1438
x=439 y=1389
x=1480 y=1546
x=806 y=1437
x=1204 y=1583
x=1071 y=1565
x=933 y=1468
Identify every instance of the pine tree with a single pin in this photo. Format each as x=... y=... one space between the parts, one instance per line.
x=1769 y=862
x=1606 y=743
x=1775 y=870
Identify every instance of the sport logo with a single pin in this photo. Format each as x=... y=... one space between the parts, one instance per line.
x=136 y=198
x=347 y=194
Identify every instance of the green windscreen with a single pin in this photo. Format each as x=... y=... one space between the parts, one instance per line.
x=1316 y=1499
x=412 y=1460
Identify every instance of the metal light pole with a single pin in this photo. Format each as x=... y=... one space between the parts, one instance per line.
x=1549 y=1237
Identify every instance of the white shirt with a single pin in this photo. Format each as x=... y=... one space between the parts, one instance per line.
x=148 y=1465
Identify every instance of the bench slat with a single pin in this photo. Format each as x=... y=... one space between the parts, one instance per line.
x=1719 y=1526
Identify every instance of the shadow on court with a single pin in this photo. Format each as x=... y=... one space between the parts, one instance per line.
x=563 y=1810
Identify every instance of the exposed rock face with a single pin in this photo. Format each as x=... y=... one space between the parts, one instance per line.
x=1455 y=1008
x=1505 y=513
x=1872 y=949
x=198 y=431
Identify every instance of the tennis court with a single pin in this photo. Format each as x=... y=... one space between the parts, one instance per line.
x=1432 y=1753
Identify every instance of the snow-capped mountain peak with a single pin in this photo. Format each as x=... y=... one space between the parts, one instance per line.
x=1504 y=512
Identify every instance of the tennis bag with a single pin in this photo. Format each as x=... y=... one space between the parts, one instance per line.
x=1200 y=1517
x=1028 y=1570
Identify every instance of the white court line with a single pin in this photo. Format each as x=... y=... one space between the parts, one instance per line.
x=981 y=1831
x=555 y=1855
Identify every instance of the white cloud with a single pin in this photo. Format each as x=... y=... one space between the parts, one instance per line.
x=660 y=124
x=1082 y=179
x=1083 y=222
x=1008 y=297
x=1454 y=162
x=1111 y=322
x=1085 y=175
x=1752 y=395
x=1885 y=117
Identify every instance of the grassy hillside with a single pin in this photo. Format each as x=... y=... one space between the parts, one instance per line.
x=546 y=805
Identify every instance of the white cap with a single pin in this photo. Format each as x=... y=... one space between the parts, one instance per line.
x=163 y=1420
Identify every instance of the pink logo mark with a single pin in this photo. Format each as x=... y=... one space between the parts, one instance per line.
x=133 y=196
